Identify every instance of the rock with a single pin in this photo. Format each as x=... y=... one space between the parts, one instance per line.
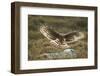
x=71 y=53
x=66 y=54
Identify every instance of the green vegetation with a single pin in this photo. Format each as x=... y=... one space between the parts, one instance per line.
x=38 y=44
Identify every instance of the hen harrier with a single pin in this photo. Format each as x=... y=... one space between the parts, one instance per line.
x=58 y=39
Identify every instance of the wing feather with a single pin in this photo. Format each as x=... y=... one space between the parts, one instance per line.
x=73 y=36
x=61 y=39
x=49 y=33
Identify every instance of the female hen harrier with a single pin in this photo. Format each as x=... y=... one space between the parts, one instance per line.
x=58 y=39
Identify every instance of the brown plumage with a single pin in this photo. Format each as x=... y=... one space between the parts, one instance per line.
x=58 y=39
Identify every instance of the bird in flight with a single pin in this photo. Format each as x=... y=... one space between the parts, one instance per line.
x=59 y=39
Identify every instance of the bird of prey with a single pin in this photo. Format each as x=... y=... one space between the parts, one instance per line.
x=58 y=39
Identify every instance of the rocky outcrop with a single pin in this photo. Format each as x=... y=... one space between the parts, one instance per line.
x=66 y=54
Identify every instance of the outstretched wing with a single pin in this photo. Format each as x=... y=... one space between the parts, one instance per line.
x=49 y=33
x=73 y=36
x=59 y=39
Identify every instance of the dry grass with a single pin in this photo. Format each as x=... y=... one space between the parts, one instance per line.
x=43 y=45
